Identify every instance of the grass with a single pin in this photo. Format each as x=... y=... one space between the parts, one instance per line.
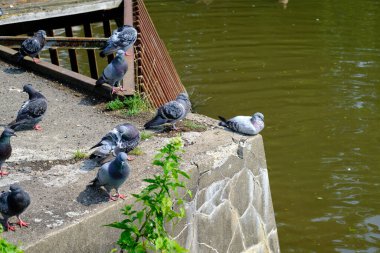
x=137 y=151
x=79 y=155
x=115 y=105
x=145 y=135
x=134 y=104
x=192 y=125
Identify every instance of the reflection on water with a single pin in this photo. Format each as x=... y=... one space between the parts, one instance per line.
x=313 y=68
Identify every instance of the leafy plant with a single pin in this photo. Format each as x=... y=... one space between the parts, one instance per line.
x=114 y=105
x=144 y=229
x=145 y=135
x=6 y=247
x=136 y=104
x=79 y=155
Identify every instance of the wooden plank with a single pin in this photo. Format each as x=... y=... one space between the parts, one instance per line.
x=59 y=21
x=91 y=53
x=72 y=52
x=54 y=72
x=53 y=52
x=129 y=78
x=57 y=42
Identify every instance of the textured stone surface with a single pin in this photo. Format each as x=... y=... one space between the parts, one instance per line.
x=232 y=208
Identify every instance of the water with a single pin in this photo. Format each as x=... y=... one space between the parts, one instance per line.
x=313 y=68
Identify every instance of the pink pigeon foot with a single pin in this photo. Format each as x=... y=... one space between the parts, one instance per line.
x=120 y=196
x=36 y=60
x=37 y=127
x=127 y=54
x=131 y=158
x=10 y=228
x=22 y=223
x=112 y=198
x=3 y=173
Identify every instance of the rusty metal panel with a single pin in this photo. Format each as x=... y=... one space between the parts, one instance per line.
x=156 y=73
x=91 y=53
x=72 y=52
x=53 y=52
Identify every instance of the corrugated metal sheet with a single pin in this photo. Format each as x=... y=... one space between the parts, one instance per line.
x=156 y=73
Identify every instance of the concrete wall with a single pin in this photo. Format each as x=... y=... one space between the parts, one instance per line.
x=232 y=208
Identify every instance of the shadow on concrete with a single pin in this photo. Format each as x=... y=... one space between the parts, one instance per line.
x=14 y=70
x=92 y=195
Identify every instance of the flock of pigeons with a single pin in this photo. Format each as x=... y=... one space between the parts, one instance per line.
x=111 y=152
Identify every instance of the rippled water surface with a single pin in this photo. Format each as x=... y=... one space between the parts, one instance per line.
x=313 y=68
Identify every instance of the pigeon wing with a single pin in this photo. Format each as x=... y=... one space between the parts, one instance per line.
x=31 y=46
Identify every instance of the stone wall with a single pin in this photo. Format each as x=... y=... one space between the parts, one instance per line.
x=232 y=208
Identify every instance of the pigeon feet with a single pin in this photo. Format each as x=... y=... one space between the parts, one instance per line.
x=10 y=228
x=37 y=127
x=114 y=89
x=22 y=223
x=131 y=158
x=36 y=60
x=3 y=173
x=115 y=197
x=127 y=54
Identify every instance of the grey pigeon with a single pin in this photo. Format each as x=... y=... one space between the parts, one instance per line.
x=32 y=46
x=171 y=112
x=244 y=124
x=114 y=72
x=122 y=38
x=5 y=148
x=123 y=138
x=14 y=203
x=31 y=111
x=112 y=175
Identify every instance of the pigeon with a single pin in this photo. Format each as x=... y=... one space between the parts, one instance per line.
x=123 y=138
x=32 y=46
x=1 y=12
x=31 y=111
x=121 y=38
x=14 y=203
x=5 y=148
x=171 y=112
x=244 y=124
x=112 y=175
x=114 y=72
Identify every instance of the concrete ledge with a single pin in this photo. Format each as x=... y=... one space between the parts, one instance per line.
x=231 y=195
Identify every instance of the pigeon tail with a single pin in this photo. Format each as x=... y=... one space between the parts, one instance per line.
x=222 y=122
x=100 y=81
x=19 y=56
x=156 y=121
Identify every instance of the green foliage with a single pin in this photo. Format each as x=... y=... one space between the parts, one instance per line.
x=192 y=125
x=6 y=247
x=136 y=151
x=144 y=230
x=134 y=104
x=145 y=135
x=79 y=155
x=115 y=105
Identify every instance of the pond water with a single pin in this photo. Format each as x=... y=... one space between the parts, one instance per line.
x=313 y=68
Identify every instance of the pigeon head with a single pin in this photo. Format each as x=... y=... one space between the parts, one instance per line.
x=258 y=115
x=41 y=33
x=15 y=188
x=28 y=88
x=8 y=132
x=120 y=53
x=121 y=157
x=183 y=96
